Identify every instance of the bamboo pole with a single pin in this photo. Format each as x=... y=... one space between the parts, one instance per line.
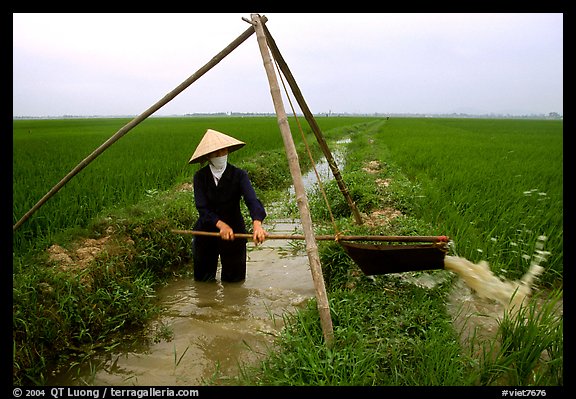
x=134 y=122
x=312 y=122
x=301 y=199
x=327 y=237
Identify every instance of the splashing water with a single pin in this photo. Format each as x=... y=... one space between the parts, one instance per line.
x=480 y=278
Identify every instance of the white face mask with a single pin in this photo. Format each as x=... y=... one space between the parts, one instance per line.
x=217 y=166
x=219 y=162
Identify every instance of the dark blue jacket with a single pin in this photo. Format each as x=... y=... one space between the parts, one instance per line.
x=222 y=202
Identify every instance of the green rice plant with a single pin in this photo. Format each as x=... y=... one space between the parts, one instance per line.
x=483 y=182
x=153 y=156
x=528 y=347
x=531 y=343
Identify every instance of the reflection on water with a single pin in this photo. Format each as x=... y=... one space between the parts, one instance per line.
x=324 y=171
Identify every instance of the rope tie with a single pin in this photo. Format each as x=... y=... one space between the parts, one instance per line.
x=337 y=236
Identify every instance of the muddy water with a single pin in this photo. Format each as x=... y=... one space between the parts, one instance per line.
x=479 y=299
x=208 y=329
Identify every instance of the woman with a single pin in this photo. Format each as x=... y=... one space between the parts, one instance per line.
x=218 y=188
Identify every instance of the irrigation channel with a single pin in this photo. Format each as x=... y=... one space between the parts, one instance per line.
x=212 y=326
x=208 y=329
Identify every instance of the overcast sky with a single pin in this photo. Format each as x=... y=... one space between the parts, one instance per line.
x=121 y=64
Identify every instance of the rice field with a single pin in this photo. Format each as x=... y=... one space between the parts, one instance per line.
x=494 y=186
x=152 y=157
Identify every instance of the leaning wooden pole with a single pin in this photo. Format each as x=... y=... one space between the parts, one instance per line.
x=130 y=125
x=312 y=122
x=301 y=199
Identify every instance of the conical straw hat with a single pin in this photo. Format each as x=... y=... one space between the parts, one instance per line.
x=214 y=141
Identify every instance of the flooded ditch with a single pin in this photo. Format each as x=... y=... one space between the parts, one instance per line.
x=209 y=329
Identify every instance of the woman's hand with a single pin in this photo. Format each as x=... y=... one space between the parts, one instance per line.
x=259 y=232
x=226 y=232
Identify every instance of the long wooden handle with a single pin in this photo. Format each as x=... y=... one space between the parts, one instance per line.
x=322 y=237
